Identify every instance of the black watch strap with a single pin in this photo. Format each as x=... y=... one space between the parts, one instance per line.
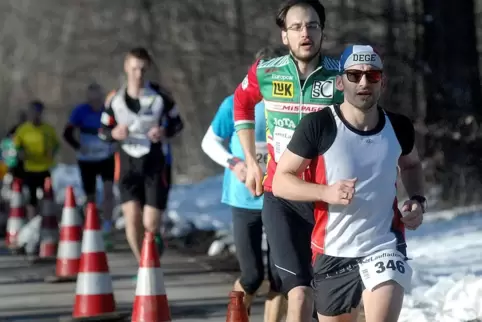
x=421 y=200
x=233 y=161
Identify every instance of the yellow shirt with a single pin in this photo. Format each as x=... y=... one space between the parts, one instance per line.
x=39 y=145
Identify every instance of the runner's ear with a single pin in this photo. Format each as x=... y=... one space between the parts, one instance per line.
x=339 y=83
x=284 y=37
x=384 y=82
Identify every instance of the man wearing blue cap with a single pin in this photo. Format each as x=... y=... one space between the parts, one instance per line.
x=95 y=157
x=355 y=151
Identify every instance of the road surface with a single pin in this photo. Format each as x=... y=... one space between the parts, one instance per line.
x=195 y=292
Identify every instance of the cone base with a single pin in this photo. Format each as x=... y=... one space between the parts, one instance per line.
x=93 y=305
x=60 y=279
x=12 y=245
x=41 y=260
x=115 y=316
x=151 y=308
x=67 y=267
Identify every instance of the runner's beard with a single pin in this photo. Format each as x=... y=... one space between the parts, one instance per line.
x=366 y=104
x=307 y=59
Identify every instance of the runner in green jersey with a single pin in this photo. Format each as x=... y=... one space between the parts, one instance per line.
x=291 y=87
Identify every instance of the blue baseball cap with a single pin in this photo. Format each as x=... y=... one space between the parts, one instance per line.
x=360 y=54
x=37 y=106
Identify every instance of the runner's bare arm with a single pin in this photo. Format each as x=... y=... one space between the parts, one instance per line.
x=312 y=137
x=287 y=183
x=246 y=96
x=409 y=162
x=411 y=173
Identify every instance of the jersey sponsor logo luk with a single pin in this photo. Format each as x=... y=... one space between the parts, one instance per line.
x=322 y=89
x=283 y=89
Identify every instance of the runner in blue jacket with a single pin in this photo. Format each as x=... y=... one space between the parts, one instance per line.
x=246 y=209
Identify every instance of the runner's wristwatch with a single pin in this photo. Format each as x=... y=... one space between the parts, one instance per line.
x=233 y=161
x=421 y=200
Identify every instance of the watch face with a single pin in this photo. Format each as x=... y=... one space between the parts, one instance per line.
x=422 y=200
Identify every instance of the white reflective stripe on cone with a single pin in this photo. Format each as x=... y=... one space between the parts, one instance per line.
x=93 y=284
x=70 y=217
x=15 y=200
x=68 y=250
x=92 y=241
x=15 y=224
x=150 y=281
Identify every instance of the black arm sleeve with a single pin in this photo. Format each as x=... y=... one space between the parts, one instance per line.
x=174 y=124
x=108 y=122
x=404 y=131
x=314 y=135
x=171 y=119
x=69 y=137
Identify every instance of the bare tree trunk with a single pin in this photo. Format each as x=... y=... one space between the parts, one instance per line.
x=451 y=53
x=240 y=31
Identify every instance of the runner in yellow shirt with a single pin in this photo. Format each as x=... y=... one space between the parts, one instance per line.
x=37 y=144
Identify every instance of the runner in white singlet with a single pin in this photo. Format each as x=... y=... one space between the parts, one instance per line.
x=354 y=151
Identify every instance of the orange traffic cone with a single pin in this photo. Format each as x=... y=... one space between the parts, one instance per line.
x=68 y=253
x=49 y=228
x=150 y=303
x=94 y=297
x=17 y=217
x=236 y=310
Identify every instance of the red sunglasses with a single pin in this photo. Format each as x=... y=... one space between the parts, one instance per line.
x=354 y=76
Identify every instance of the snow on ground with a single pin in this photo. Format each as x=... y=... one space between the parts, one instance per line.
x=446 y=251
x=447 y=262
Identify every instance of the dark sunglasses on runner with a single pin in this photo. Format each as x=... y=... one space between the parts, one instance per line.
x=354 y=76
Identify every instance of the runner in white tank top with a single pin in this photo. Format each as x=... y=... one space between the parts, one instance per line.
x=355 y=151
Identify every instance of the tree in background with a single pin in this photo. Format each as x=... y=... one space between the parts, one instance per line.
x=51 y=49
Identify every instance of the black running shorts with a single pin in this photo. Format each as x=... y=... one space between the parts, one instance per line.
x=288 y=226
x=89 y=170
x=337 y=283
x=143 y=180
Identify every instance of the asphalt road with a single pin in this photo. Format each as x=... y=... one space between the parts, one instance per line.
x=195 y=290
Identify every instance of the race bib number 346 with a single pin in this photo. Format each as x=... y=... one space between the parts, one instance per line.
x=384 y=266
